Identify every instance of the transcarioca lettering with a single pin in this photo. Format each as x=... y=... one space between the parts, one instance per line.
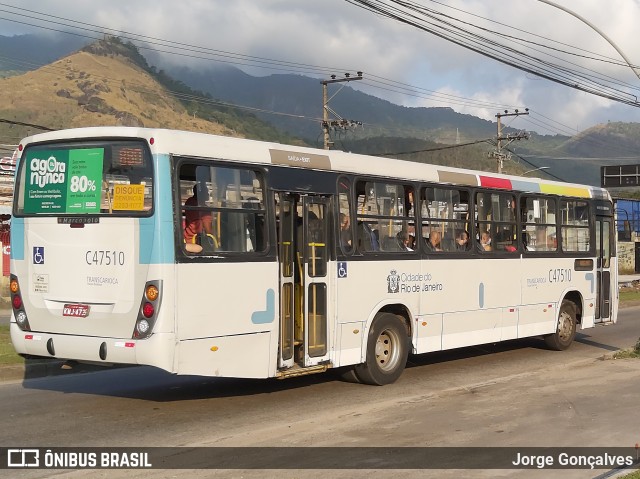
x=100 y=280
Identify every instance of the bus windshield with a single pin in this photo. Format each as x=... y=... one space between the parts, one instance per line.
x=94 y=178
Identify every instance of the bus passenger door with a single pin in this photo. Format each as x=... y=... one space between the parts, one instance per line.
x=286 y=208
x=603 y=280
x=303 y=250
x=315 y=255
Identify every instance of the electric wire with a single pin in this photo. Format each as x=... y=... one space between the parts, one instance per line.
x=505 y=54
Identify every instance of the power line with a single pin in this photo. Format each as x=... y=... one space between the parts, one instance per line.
x=203 y=100
x=602 y=57
x=29 y=125
x=376 y=82
x=221 y=55
x=424 y=19
x=426 y=150
x=546 y=172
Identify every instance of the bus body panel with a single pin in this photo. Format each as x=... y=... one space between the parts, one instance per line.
x=64 y=266
x=360 y=295
x=494 y=299
x=247 y=355
x=225 y=299
x=227 y=324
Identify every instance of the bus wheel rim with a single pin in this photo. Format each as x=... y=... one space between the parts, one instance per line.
x=387 y=350
x=564 y=328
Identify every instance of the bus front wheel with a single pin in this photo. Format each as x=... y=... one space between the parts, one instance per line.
x=565 y=330
x=387 y=351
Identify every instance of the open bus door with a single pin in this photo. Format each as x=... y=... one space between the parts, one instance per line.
x=303 y=248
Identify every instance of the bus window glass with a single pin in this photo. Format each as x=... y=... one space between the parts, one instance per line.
x=575 y=225
x=344 y=216
x=382 y=221
x=496 y=222
x=445 y=220
x=316 y=240
x=539 y=218
x=97 y=178
x=223 y=209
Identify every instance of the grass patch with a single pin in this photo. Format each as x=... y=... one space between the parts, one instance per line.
x=629 y=353
x=7 y=353
x=629 y=295
x=633 y=475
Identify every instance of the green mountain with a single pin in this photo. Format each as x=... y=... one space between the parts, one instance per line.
x=387 y=128
x=302 y=96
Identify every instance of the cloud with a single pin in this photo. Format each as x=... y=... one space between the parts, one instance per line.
x=341 y=37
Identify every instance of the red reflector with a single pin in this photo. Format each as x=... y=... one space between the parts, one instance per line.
x=28 y=336
x=152 y=141
x=147 y=310
x=512 y=310
x=16 y=301
x=129 y=345
x=20 y=147
x=76 y=225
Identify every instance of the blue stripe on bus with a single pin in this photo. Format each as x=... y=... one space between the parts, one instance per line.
x=156 y=233
x=17 y=238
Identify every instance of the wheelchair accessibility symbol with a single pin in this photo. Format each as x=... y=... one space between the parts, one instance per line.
x=38 y=255
x=342 y=269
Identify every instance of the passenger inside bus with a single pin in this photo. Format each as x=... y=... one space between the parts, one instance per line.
x=405 y=240
x=462 y=240
x=545 y=242
x=196 y=221
x=345 y=231
x=367 y=238
x=485 y=241
x=433 y=242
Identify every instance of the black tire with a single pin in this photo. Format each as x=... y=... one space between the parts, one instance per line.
x=565 y=329
x=346 y=374
x=387 y=351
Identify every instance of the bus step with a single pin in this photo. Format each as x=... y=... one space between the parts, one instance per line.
x=302 y=371
x=605 y=323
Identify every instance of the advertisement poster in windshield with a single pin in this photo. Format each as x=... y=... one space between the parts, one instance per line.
x=63 y=181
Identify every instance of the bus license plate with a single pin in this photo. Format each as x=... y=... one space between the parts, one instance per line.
x=76 y=310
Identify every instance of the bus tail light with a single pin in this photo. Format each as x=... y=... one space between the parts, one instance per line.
x=18 y=305
x=148 y=311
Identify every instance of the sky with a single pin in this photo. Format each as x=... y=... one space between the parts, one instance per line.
x=341 y=37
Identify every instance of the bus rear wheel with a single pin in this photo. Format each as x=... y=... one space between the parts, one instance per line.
x=565 y=330
x=387 y=351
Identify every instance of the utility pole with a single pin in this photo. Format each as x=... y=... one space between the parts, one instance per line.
x=497 y=154
x=326 y=124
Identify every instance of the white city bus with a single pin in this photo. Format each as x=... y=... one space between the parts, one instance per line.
x=290 y=260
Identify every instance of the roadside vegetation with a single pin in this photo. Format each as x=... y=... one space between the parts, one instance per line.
x=629 y=353
x=8 y=355
x=629 y=294
x=633 y=475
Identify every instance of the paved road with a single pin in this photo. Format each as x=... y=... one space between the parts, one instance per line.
x=512 y=394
